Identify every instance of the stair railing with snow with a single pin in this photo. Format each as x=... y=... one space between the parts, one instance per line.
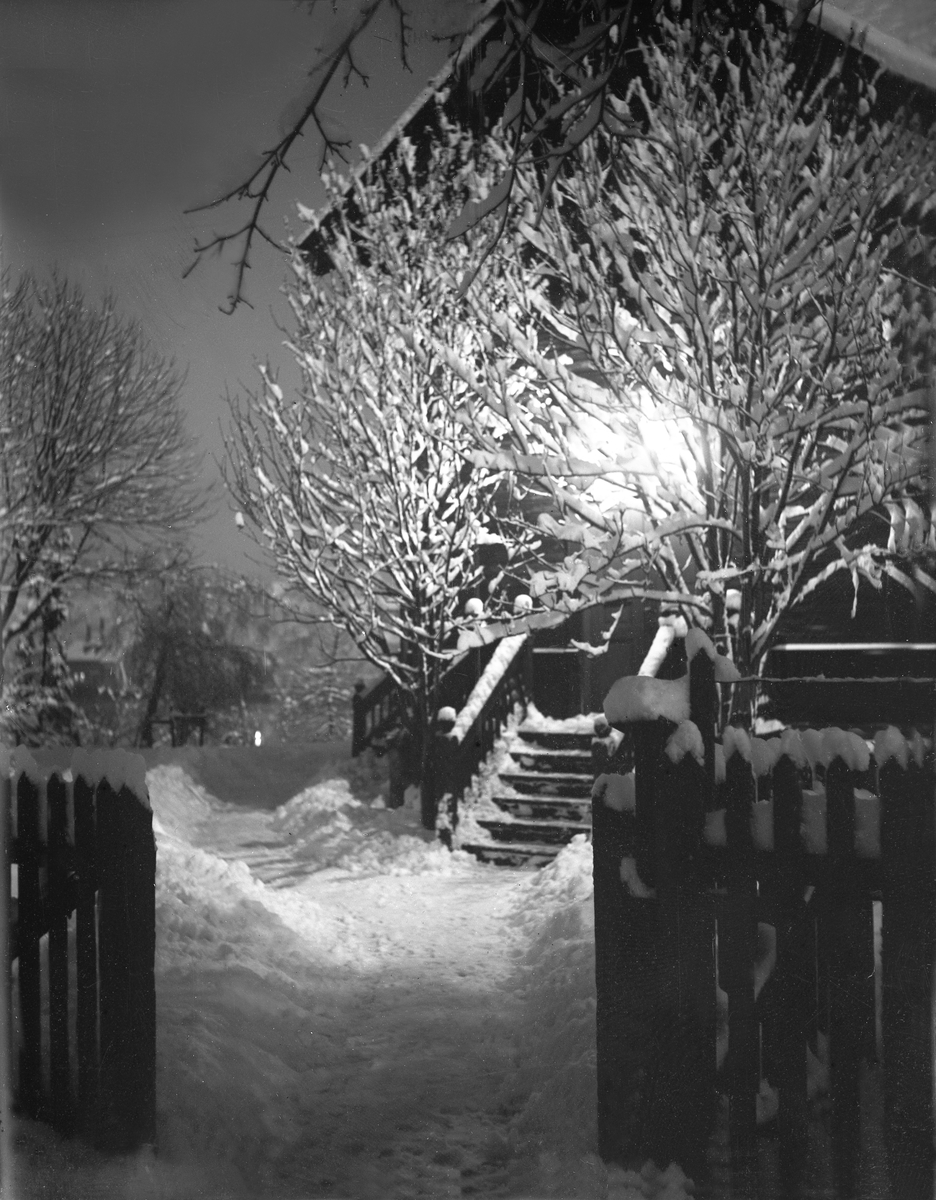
x=743 y=874
x=464 y=739
x=77 y=927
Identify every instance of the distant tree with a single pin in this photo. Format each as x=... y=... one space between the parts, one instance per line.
x=38 y=708
x=725 y=381
x=95 y=454
x=182 y=654
x=359 y=482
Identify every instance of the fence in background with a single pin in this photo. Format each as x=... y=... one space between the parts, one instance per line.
x=77 y=945
x=708 y=852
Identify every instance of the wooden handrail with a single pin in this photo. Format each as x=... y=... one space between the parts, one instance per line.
x=376 y=711
x=462 y=744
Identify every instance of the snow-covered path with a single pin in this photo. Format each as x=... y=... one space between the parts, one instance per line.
x=347 y=1010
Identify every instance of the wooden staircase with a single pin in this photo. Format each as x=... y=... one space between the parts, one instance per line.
x=541 y=797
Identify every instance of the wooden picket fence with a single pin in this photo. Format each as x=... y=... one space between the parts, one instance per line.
x=712 y=845
x=77 y=945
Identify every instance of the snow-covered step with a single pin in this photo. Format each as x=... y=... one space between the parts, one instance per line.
x=545 y=833
x=548 y=783
x=547 y=808
x=568 y=760
x=515 y=854
x=554 y=739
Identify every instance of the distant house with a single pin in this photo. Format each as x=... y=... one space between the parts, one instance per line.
x=566 y=681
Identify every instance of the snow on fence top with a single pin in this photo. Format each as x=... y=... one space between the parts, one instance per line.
x=644 y=698
x=725 y=670
x=120 y=768
x=687 y=739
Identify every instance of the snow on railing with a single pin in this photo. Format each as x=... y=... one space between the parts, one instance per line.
x=465 y=739
x=507 y=650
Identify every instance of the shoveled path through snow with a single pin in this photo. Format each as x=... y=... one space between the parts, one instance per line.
x=402 y=1076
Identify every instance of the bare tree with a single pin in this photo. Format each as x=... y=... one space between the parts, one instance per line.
x=360 y=481
x=548 y=72
x=95 y=452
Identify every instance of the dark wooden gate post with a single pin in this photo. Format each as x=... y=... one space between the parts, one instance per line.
x=86 y=999
x=58 y=909
x=126 y=877
x=28 y=934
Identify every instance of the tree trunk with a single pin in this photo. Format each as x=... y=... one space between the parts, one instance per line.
x=145 y=735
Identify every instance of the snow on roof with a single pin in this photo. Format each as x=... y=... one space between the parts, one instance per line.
x=644 y=698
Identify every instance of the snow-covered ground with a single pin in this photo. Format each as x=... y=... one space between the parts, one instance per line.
x=345 y=1009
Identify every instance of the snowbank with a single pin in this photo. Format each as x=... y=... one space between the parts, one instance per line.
x=303 y=1027
x=328 y=827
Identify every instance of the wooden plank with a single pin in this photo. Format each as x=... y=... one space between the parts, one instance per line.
x=29 y=932
x=62 y=1109
x=114 y=937
x=649 y=738
x=737 y=946
x=793 y=982
x=846 y=944
x=625 y=929
x=908 y=848
x=681 y=1104
x=703 y=711
x=141 y=919
x=6 y=1041
x=86 y=1000
x=126 y=923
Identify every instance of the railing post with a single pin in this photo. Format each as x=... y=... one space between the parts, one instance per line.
x=357 y=719
x=440 y=781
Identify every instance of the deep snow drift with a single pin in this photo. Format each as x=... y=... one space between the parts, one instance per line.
x=345 y=1009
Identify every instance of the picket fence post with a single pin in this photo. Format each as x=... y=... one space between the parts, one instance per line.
x=908 y=849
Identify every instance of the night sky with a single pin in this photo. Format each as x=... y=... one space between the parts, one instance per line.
x=117 y=115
